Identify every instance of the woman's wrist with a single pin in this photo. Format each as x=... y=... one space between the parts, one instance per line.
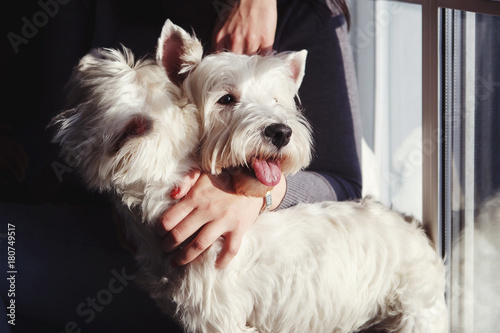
x=278 y=193
x=273 y=198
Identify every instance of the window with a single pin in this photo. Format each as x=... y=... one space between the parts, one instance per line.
x=471 y=164
x=389 y=58
x=429 y=81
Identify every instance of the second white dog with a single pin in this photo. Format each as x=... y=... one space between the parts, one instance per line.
x=327 y=267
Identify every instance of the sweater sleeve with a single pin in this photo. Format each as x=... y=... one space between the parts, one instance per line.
x=329 y=99
x=307 y=187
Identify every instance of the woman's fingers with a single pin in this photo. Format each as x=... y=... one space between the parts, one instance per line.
x=185 y=186
x=232 y=243
x=210 y=210
x=249 y=28
x=206 y=237
x=188 y=226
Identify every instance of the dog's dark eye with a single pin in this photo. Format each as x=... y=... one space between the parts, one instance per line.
x=227 y=99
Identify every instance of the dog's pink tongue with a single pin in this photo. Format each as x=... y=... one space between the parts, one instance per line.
x=268 y=172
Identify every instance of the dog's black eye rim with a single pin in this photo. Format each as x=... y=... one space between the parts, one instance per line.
x=227 y=99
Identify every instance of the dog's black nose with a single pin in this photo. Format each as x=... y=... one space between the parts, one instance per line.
x=279 y=134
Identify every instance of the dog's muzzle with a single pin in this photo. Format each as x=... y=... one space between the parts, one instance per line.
x=279 y=134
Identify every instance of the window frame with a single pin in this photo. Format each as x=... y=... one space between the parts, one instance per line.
x=432 y=133
x=437 y=193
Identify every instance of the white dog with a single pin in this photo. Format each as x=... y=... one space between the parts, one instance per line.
x=326 y=267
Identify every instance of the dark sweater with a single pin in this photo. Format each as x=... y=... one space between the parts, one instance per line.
x=329 y=97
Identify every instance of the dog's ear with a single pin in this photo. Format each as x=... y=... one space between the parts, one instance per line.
x=178 y=52
x=297 y=63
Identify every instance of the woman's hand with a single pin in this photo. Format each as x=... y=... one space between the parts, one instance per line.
x=211 y=207
x=249 y=28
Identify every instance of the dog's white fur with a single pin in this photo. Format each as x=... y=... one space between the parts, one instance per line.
x=326 y=267
x=233 y=134
x=110 y=94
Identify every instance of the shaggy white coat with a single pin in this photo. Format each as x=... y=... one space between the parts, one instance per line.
x=325 y=267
